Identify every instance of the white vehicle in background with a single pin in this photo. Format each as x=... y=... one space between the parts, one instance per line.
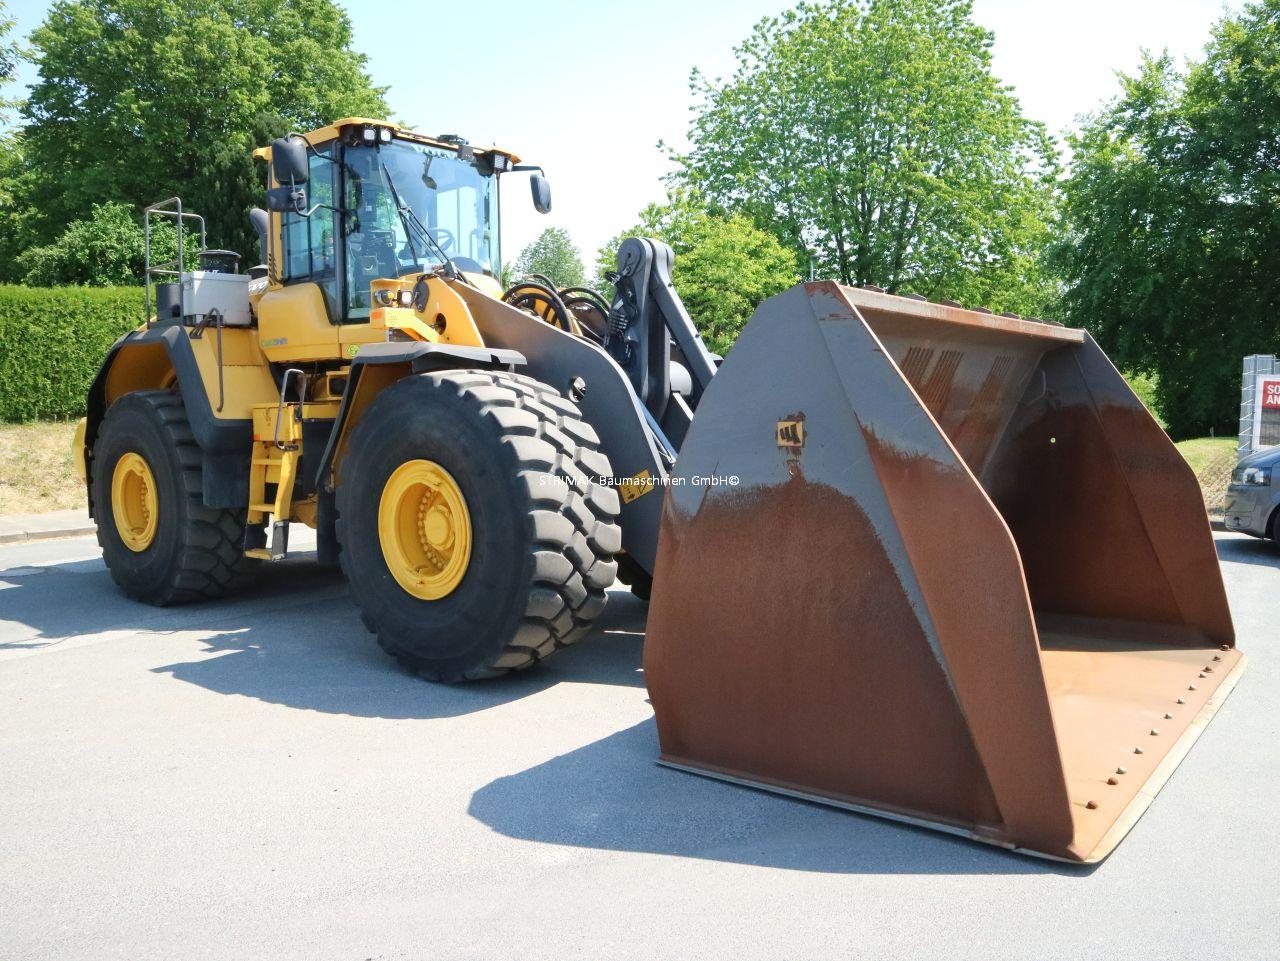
x=1253 y=496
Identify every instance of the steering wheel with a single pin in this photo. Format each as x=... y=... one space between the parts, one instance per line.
x=443 y=237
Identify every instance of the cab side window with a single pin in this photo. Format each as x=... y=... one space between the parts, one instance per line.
x=310 y=249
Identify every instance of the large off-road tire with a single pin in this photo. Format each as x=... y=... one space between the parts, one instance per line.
x=508 y=466
x=146 y=466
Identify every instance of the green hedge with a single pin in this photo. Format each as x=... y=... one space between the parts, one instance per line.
x=52 y=341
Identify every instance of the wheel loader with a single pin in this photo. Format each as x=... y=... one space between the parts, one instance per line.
x=911 y=559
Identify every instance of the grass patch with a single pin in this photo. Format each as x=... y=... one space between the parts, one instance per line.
x=1212 y=459
x=36 y=472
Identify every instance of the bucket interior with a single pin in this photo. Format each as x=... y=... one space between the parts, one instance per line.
x=968 y=581
x=1135 y=641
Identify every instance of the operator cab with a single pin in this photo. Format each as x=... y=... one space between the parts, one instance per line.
x=455 y=199
x=361 y=201
x=359 y=211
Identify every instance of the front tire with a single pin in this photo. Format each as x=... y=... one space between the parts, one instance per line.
x=476 y=532
x=159 y=541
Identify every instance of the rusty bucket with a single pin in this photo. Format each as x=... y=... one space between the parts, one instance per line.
x=936 y=565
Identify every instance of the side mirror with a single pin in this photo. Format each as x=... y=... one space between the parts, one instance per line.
x=287 y=200
x=289 y=160
x=541 y=193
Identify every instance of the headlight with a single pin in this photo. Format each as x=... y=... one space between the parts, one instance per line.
x=1259 y=476
x=405 y=297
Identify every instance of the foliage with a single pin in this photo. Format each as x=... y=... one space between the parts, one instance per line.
x=1172 y=258
x=554 y=256
x=16 y=216
x=137 y=100
x=872 y=135
x=52 y=342
x=724 y=265
x=10 y=56
x=106 y=250
x=1144 y=386
x=667 y=222
x=12 y=211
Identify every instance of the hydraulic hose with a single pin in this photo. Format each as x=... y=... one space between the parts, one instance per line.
x=538 y=294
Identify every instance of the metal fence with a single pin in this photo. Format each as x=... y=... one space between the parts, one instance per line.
x=1259 y=423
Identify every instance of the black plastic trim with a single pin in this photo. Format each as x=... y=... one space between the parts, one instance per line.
x=420 y=358
x=215 y=436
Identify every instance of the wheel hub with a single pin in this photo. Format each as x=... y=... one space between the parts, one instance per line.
x=424 y=529
x=134 y=504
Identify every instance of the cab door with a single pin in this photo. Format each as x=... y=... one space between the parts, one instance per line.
x=297 y=321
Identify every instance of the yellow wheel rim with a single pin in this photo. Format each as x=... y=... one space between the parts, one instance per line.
x=425 y=529
x=134 y=503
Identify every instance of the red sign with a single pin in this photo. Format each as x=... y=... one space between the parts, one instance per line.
x=1271 y=394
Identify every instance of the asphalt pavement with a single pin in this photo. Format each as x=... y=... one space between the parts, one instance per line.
x=254 y=779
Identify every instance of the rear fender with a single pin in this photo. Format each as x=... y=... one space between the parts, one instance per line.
x=161 y=358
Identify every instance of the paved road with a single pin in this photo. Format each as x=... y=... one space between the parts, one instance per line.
x=254 y=780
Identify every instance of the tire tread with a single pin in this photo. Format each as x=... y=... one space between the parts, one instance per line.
x=211 y=562
x=572 y=532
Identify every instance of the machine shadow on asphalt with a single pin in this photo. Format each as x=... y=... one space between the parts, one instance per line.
x=606 y=795
x=258 y=646
x=611 y=795
x=330 y=663
x=1247 y=550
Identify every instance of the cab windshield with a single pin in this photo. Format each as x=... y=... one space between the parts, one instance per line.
x=455 y=202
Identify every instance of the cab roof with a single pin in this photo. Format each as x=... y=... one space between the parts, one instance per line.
x=333 y=131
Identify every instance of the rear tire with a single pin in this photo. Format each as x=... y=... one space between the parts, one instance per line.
x=541 y=550
x=192 y=552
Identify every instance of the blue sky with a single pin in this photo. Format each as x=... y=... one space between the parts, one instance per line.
x=587 y=89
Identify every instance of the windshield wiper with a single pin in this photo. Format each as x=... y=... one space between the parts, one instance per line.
x=410 y=221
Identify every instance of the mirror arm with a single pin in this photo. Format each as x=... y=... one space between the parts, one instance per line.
x=315 y=207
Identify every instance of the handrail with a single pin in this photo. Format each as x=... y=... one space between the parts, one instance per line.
x=172 y=208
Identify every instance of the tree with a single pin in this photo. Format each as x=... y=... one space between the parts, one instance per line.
x=872 y=135
x=554 y=256
x=105 y=250
x=724 y=265
x=16 y=214
x=137 y=100
x=667 y=222
x=1172 y=253
x=10 y=57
